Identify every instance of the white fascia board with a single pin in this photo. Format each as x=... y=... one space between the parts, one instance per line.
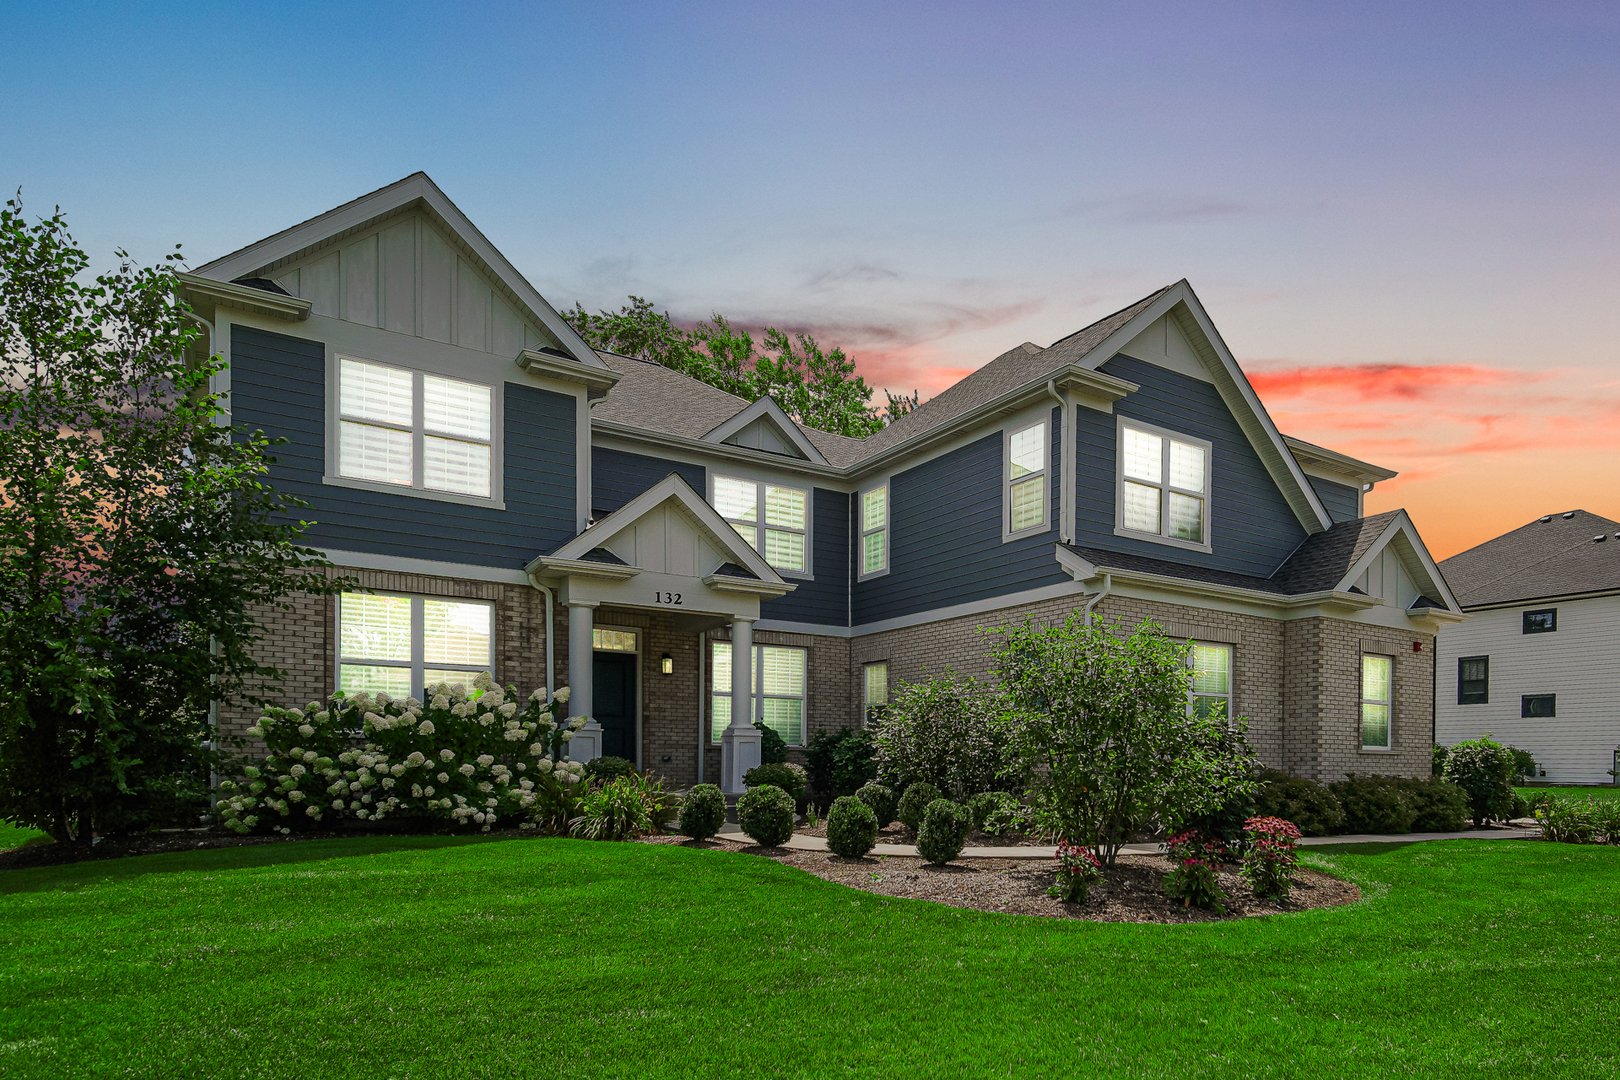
x=245 y=298
x=701 y=452
x=766 y=406
x=1082 y=569
x=1336 y=464
x=670 y=488
x=1402 y=526
x=396 y=196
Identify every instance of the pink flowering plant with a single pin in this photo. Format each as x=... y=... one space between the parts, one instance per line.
x=1078 y=870
x=1195 y=879
x=466 y=758
x=1269 y=855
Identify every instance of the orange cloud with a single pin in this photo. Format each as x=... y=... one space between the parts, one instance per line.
x=1376 y=382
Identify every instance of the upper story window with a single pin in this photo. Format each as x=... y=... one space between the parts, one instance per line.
x=400 y=644
x=413 y=429
x=1377 y=698
x=773 y=519
x=1025 y=481
x=1473 y=680
x=1163 y=481
x=1210 y=692
x=875 y=530
x=1544 y=621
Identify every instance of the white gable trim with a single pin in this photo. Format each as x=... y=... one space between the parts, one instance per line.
x=1181 y=305
x=767 y=408
x=414 y=189
x=670 y=488
x=1412 y=552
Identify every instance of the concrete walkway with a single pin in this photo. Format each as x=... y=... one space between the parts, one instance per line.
x=735 y=834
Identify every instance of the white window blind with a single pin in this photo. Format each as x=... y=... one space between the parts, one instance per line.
x=877 y=687
x=1377 y=692
x=1210 y=692
x=875 y=530
x=1025 y=496
x=400 y=644
x=1164 y=485
x=383 y=437
x=772 y=519
x=779 y=690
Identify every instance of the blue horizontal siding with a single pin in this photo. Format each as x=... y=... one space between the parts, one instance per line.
x=1253 y=529
x=618 y=476
x=824 y=601
x=1340 y=499
x=945 y=544
x=278 y=386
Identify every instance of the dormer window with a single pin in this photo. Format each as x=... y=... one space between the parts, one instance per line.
x=1163 y=481
x=413 y=430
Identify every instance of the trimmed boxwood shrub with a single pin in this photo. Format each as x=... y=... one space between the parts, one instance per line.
x=944 y=830
x=1309 y=805
x=881 y=800
x=766 y=815
x=608 y=768
x=702 y=812
x=851 y=827
x=1373 y=805
x=915 y=802
x=789 y=777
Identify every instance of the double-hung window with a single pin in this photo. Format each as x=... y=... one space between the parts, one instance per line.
x=875 y=530
x=1163 y=480
x=772 y=518
x=1473 y=680
x=400 y=644
x=1210 y=692
x=414 y=430
x=1377 y=697
x=1025 y=481
x=877 y=689
x=779 y=690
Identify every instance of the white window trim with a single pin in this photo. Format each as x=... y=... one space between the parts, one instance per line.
x=1208 y=494
x=418 y=663
x=1007 y=433
x=1362 y=699
x=758 y=695
x=861 y=532
x=334 y=417
x=808 y=573
x=1231 y=675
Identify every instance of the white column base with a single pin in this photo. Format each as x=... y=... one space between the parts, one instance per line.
x=740 y=750
x=586 y=745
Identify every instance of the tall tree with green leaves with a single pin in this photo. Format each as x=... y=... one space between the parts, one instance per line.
x=137 y=538
x=817 y=388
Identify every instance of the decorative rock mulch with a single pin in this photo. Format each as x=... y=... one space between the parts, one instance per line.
x=1132 y=891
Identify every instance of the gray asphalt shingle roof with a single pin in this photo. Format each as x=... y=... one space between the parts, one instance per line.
x=1552 y=556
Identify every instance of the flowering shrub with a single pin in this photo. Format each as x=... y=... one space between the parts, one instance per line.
x=881 y=799
x=1268 y=855
x=464 y=758
x=703 y=811
x=944 y=830
x=851 y=827
x=1194 y=880
x=1078 y=870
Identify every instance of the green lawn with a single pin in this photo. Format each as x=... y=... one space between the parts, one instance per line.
x=17 y=835
x=435 y=957
x=1573 y=792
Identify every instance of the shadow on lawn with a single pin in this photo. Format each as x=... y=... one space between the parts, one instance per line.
x=77 y=875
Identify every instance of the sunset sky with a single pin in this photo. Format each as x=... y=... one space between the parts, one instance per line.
x=1403 y=218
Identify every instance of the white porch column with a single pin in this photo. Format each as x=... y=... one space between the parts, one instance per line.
x=740 y=743
x=587 y=742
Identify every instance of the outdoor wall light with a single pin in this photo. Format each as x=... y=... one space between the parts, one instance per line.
x=667 y=664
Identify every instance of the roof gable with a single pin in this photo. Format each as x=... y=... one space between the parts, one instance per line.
x=765 y=426
x=466 y=291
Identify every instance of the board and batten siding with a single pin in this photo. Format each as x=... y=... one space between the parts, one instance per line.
x=1252 y=528
x=1580 y=662
x=278 y=386
x=1341 y=500
x=945 y=545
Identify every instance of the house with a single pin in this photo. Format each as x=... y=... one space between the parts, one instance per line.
x=1537 y=664
x=513 y=500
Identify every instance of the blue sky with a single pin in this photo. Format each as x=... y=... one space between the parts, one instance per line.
x=1402 y=217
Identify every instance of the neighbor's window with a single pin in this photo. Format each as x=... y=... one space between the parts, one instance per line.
x=400 y=644
x=1544 y=621
x=779 y=690
x=1210 y=693
x=875 y=530
x=414 y=430
x=1025 y=497
x=1473 y=680
x=1538 y=705
x=774 y=520
x=1164 y=482
x=1377 y=694
x=877 y=689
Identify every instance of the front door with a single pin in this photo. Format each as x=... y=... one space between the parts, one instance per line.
x=614 y=701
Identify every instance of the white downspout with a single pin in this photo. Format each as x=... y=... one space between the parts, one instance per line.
x=702 y=699
x=1108 y=583
x=551 y=636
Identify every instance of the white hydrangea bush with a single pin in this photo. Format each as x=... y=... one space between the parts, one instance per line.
x=468 y=757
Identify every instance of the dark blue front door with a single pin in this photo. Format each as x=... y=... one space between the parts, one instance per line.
x=615 y=703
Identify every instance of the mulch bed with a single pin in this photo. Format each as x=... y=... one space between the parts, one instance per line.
x=897 y=833
x=1132 y=891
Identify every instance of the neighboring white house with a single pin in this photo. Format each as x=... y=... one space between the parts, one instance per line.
x=1537 y=664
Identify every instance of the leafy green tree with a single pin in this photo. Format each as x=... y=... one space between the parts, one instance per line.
x=817 y=388
x=138 y=538
x=1102 y=732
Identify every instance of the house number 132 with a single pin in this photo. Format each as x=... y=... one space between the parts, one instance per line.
x=666 y=598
